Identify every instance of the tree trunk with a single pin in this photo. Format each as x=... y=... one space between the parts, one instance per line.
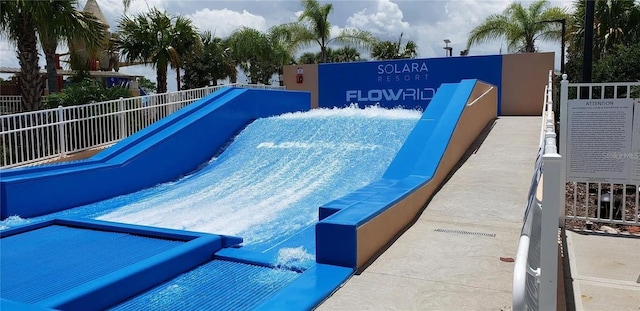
x=52 y=72
x=178 y=77
x=30 y=81
x=531 y=47
x=323 y=54
x=161 y=78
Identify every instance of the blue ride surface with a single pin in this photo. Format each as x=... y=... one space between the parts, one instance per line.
x=266 y=187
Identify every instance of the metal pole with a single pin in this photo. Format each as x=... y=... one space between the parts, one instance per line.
x=564 y=30
x=588 y=41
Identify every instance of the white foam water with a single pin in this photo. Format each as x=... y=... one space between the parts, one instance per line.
x=294 y=258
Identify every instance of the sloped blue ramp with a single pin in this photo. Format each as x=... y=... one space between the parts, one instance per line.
x=161 y=152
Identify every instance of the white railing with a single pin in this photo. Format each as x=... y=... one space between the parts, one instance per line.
x=53 y=133
x=609 y=194
x=10 y=104
x=535 y=271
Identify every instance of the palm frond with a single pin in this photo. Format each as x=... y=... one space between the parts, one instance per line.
x=494 y=27
x=360 y=38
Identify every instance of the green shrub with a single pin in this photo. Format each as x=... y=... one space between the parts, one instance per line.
x=85 y=92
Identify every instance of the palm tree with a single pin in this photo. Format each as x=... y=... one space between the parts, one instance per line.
x=256 y=54
x=520 y=26
x=284 y=47
x=187 y=41
x=341 y=55
x=157 y=39
x=64 y=25
x=615 y=23
x=213 y=63
x=346 y=54
x=309 y=58
x=22 y=20
x=394 y=50
x=313 y=26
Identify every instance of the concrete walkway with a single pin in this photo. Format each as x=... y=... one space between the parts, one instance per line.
x=457 y=255
x=605 y=270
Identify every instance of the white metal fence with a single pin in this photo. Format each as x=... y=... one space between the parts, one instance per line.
x=10 y=104
x=600 y=142
x=535 y=271
x=47 y=134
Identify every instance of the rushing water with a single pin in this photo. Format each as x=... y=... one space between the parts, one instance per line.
x=269 y=182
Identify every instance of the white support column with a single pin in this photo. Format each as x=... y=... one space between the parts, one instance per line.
x=564 y=99
x=551 y=202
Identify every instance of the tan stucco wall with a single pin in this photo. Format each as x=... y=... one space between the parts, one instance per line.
x=310 y=82
x=375 y=234
x=523 y=79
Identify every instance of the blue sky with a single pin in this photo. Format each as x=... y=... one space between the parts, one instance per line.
x=427 y=23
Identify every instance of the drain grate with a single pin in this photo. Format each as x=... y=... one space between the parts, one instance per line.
x=491 y=235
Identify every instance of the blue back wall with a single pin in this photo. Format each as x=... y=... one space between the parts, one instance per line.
x=410 y=83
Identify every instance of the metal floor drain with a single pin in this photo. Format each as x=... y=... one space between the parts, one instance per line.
x=491 y=235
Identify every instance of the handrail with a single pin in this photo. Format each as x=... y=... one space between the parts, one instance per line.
x=481 y=96
x=547 y=146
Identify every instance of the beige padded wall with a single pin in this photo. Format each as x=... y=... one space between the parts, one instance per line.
x=310 y=81
x=524 y=77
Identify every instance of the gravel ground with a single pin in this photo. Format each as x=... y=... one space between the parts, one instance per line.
x=585 y=204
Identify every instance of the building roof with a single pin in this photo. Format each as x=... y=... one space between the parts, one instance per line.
x=93 y=73
x=93 y=7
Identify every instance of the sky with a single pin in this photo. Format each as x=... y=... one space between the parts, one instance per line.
x=426 y=22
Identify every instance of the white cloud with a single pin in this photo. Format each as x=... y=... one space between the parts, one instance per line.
x=224 y=22
x=425 y=22
x=8 y=54
x=115 y=8
x=461 y=17
x=386 y=20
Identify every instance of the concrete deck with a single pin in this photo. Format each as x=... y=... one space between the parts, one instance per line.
x=457 y=254
x=605 y=270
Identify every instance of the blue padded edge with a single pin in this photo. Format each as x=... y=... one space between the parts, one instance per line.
x=309 y=289
x=153 y=232
x=122 y=145
x=122 y=284
x=414 y=165
x=243 y=256
x=336 y=244
x=10 y=305
x=177 y=145
x=26 y=227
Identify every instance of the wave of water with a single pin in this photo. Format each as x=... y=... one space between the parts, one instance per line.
x=269 y=182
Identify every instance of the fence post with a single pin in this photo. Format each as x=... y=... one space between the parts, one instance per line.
x=564 y=99
x=62 y=133
x=551 y=202
x=123 y=119
x=563 y=129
